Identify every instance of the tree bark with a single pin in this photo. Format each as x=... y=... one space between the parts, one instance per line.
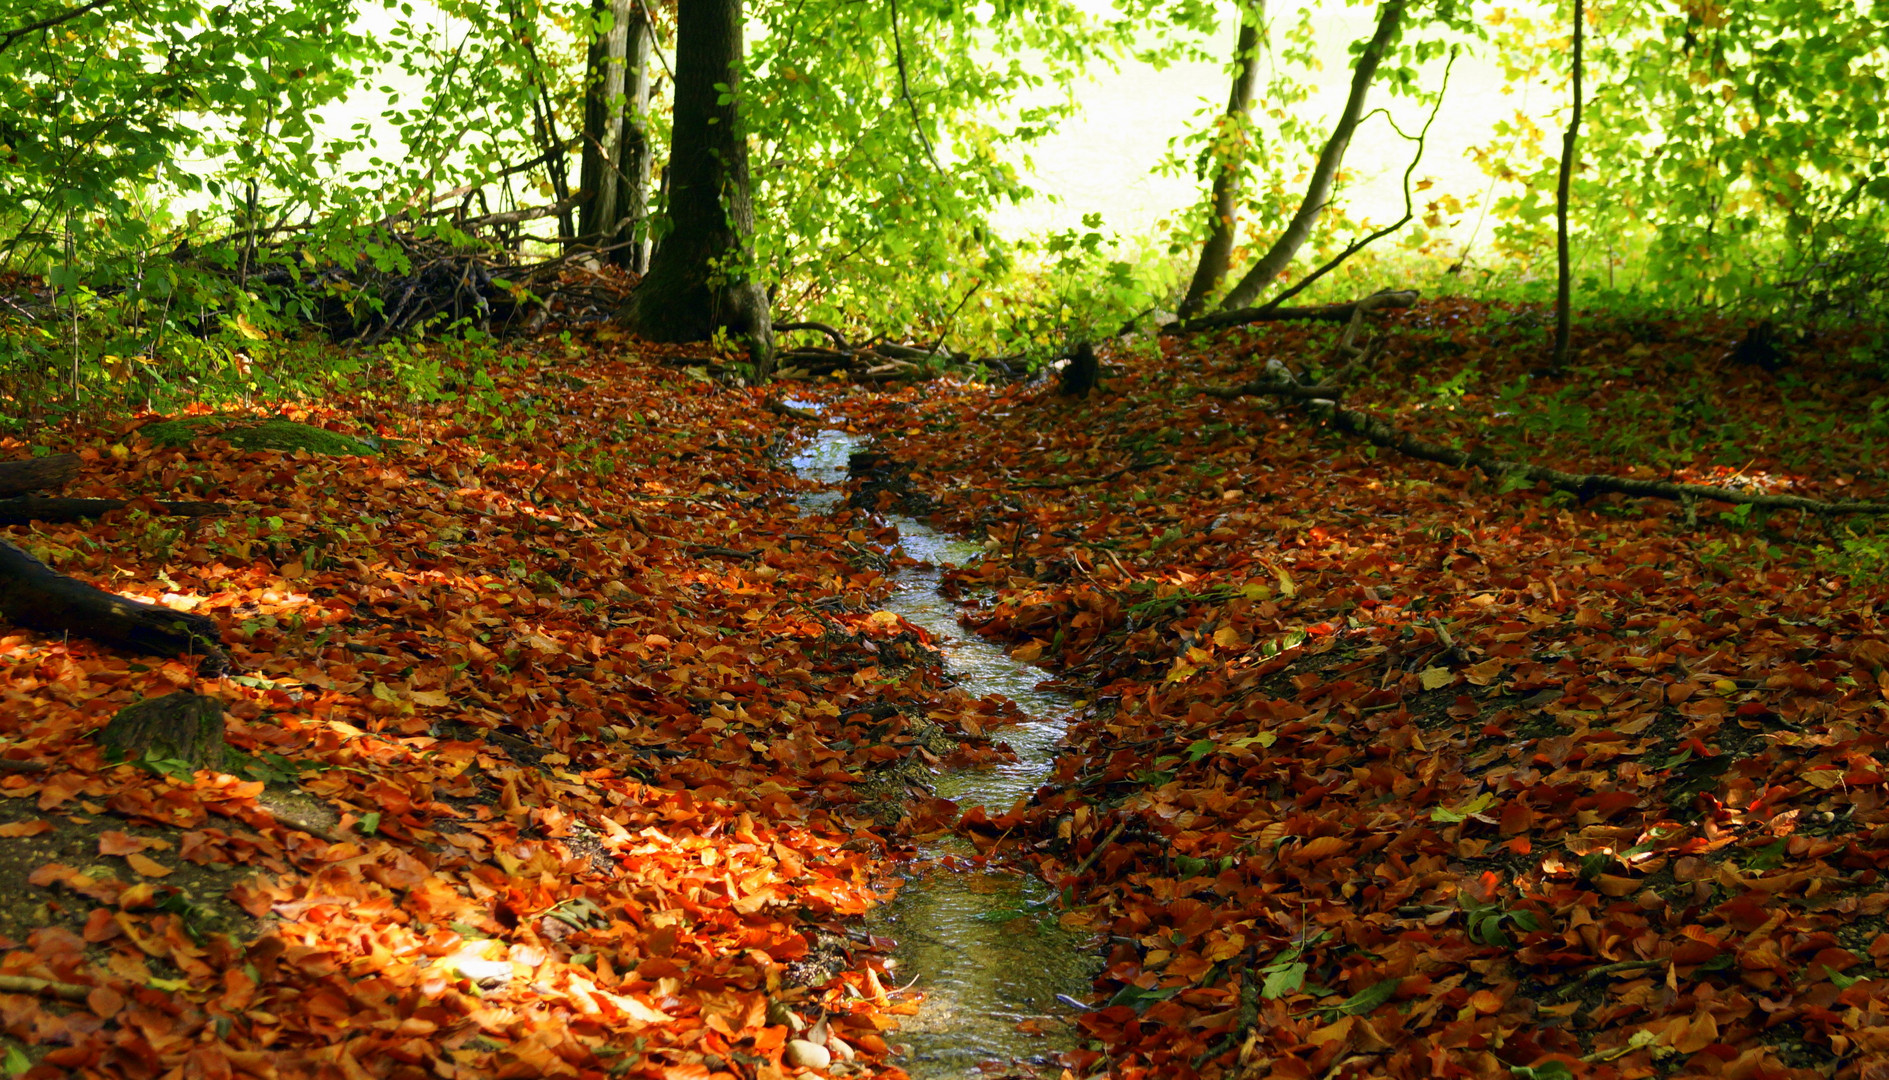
x=37 y=474
x=698 y=281
x=1564 y=273
x=1228 y=155
x=182 y=726
x=34 y=595
x=1324 y=174
x=615 y=171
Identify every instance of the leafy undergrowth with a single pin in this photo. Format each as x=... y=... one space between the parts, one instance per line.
x=567 y=748
x=1390 y=773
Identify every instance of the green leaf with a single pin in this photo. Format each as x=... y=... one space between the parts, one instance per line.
x=369 y=823
x=16 y=1061
x=1369 y=998
x=1282 y=979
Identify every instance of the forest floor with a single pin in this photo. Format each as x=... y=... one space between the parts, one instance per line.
x=571 y=747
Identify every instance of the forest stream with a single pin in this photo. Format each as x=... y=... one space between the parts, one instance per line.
x=981 y=942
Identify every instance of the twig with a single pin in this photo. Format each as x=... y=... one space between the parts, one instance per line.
x=905 y=90
x=10 y=765
x=1605 y=969
x=26 y=984
x=650 y=22
x=1089 y=860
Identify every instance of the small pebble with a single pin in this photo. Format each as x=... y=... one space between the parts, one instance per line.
x=804 y=1054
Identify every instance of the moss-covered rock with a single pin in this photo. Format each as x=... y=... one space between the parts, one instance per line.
x=250 y=433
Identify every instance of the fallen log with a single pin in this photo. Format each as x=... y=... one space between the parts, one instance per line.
x=25 y=510
x=34 y=595
x=37 y=474
x=1323 y=313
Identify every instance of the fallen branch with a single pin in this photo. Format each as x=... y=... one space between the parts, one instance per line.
x=26 y=984
x=34 y=595
x=27 y=509
x=10 y=765
x=1096 y=851
x=1279 y=382
x=37 y=474
x=1325 y=313
x=1603 y=970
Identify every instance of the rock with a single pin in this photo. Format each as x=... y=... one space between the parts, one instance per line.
x=803 y=1054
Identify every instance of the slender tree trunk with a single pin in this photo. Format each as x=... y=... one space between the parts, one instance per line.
x=633 y=157
x=615 y=170
x=697 y=281
x=1564 y=276
x=1229 y=162
x=1390 y=18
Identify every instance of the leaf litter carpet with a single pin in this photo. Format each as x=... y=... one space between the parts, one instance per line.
x=573 y=749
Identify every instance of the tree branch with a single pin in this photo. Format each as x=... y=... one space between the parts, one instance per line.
x=47 y=23
x=905 y=90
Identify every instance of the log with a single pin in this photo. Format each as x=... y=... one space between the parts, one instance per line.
x=182 y=726
x=34 y=595
x=1323 y=313
x=27 y=509
x=37 y=474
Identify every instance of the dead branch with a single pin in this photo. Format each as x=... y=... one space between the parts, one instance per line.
x=1323 y=313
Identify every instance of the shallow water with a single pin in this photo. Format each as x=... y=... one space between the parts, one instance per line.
x=983 y=946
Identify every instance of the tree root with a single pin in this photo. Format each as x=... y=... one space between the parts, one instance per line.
x=34 y=595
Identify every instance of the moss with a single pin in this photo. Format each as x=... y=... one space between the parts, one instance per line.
x=250 y=434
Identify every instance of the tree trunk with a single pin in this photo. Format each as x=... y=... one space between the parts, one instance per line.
x=697 y=281
x=1228 y=155
x=615 y=172
x=37 y=474
x=34 y=595
x=1564 y=281
x=1324 y=174
x=183 y=727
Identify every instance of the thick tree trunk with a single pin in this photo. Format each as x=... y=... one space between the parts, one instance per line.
x=697 y=281
x=1228 y=155
x=37 y=474
x=1564 y=273
x=176 y=727
x=615 y=172
x=1324 y=174
x=34 y=595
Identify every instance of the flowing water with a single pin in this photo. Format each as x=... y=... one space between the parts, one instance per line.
x=983 y=946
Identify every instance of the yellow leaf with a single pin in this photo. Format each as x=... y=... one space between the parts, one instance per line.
x=146 y=865
x=1434 y=677
x=1228 y=638
x=435 y=698
x=1286 y=587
